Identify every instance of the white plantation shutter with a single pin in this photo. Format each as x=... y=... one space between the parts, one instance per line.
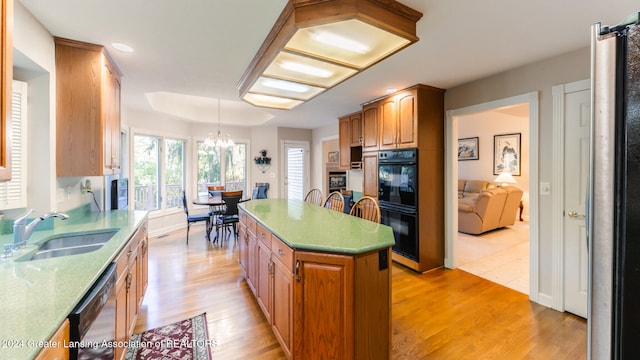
x=295 y=170
x=13 y=192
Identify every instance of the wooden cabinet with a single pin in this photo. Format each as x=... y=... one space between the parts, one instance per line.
x=58 y=344
x=349 y=139
x=282 y=310
x=6 y=63
x=370 y=132
x=131 y=270
x=87 y=110
x=263 y=281
x=399 y=121
x=248 y=248
x=412 y=118
x=322 y=303
x=344 y=142
x=370 y=174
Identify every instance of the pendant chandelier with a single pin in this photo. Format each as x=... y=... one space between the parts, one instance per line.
x=219 y=140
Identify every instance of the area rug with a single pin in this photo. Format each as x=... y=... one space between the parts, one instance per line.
x=184 y=340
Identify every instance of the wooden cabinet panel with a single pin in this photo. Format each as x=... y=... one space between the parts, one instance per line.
x=344 y=142
x=121 y=316
x=388 y=123
x=370 y=133
x=252 y=262
x=282 y=311
x=355 y=127
x=370 y=165
x=324 y=306
x=6 y=62
x=263 y=280
x=407 y=126
x=58 y=344
x=243 y=247
x=87 y=110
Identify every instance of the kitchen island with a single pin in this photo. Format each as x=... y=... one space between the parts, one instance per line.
x=322 y=278
x=37 y=296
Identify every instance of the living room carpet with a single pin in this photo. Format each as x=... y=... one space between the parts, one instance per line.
x=185 y=340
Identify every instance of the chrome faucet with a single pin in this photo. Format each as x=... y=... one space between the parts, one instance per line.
x=22 y=231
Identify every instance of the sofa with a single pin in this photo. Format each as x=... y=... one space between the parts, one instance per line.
x=483 y=206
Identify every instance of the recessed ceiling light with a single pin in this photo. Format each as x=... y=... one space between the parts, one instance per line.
x=391 y=90
x=122 y=47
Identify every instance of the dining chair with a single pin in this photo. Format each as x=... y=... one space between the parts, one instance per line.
x=366 y=208
x=335 y=201
x=314 y=196
x=260 y=191
x=195 y=218
x=230 y=215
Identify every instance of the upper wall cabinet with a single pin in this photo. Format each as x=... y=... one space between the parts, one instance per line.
x=6 y=63
x=88 y=110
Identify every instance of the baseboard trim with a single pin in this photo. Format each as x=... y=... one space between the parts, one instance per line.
x=545 y=300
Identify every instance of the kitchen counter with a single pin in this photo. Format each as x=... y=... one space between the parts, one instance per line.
x=37 y=296
x=303 y=226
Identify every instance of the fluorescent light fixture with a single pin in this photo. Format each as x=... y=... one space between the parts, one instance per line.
x=305 y=69
x=316 y=44
x=341 y=42
x=122 y=47
x=285 y=85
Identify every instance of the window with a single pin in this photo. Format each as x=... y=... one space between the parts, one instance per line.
x=153 y=172
x=211 y=166
x=13 y=193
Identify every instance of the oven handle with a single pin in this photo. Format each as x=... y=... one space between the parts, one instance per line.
x=396 y=162
x=407 y=210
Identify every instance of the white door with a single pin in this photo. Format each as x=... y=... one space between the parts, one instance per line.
x=576 y=168
x=296 y=169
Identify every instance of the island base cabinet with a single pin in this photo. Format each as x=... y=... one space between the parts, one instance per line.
x=323 y=306
x=342 y=306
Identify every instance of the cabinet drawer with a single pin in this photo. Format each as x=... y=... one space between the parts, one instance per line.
x=263 y=235
x=282 y=252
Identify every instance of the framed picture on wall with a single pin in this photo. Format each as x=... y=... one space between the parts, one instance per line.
x=333 y=157
x=468 y=149
x=506 y=154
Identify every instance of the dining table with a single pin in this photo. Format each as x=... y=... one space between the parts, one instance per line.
x=216 y=207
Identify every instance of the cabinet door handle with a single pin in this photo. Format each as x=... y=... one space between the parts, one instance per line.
x=280 y=252
x=129 y=279
x=297 y=270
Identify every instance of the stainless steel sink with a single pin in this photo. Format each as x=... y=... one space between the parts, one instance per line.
x=70 y=244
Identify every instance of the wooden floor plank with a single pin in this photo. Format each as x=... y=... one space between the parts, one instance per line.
x=444 y=314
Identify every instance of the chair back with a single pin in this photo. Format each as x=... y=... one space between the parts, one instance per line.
x=231 y=200
x=335 y=201
x=314 y=196
x=184 y=203
x=366 y=208
x=260 y=191
x=215 y=189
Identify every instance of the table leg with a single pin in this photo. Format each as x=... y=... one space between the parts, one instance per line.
x=521 y=206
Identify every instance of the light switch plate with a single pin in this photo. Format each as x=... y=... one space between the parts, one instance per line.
x=545 y=188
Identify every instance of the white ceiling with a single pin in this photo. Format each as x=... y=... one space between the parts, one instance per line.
x=200 y=48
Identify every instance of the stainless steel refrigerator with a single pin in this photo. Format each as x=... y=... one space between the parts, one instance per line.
x=614 y=192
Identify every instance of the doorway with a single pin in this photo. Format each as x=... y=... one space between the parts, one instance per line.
x=296 y=169
x=500 y=255
x=451 y=174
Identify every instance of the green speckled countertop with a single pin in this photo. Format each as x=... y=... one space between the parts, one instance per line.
x=310 y=227
x=36 y=296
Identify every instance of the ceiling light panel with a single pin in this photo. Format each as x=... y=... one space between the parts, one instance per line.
x=284 y=88
x=316 y=44
x=271 y=101
x=307 y=70
x=352 y=42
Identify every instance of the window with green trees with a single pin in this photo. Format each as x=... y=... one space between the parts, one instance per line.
x=213 y=162
x=158 y=180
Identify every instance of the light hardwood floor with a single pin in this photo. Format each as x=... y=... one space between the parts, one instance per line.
x=444 y=314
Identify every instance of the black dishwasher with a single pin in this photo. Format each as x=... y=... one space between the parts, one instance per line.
x=93 y=320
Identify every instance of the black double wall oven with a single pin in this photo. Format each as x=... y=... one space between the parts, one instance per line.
x=398 y=198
